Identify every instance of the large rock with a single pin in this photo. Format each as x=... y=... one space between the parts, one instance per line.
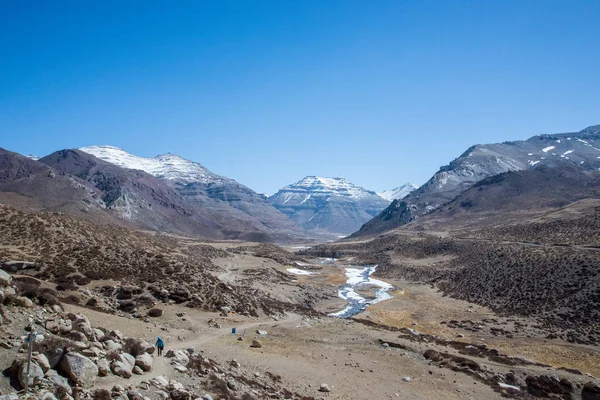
x=35 y=374
x=160 y=382
x=21 y=301
x=121 y=369
x=80 y=369
x=180 y=394
x=57 y=326
x=84 y=328
x=144 y=361
x=99 y=334
x=58 y=380
x=42 y=361
x=54 y=356
x=103 y=367
x=5 y=279
x=179 y=356
x=111 y=345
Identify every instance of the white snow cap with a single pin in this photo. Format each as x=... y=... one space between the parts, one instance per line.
x=398 y=193
x=167 y=166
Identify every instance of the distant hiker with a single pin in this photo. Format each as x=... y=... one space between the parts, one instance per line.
x=160 y=345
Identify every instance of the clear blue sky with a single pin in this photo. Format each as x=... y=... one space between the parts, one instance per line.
x=266 y=92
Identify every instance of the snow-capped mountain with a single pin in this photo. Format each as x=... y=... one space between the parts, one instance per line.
x=482 y=161
x=243 y=213
x=398 y=193
x=168 y=166
x=328 y=206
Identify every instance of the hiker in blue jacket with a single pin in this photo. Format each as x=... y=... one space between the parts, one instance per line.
x=160 y=345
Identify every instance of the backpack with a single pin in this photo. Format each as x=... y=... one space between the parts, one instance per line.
x=160 y=343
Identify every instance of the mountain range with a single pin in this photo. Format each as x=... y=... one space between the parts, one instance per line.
x=580 y=149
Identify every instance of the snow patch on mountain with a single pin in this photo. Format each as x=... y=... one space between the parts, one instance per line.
x=399 y=192
x=167 y=166
x=319 y=186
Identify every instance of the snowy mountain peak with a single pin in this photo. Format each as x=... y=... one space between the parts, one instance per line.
x=398 y=193
x=320 y=186
x=166 y=166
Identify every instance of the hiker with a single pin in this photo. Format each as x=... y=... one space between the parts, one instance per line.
x=160 y=345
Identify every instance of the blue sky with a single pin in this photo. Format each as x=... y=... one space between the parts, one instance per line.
x=266 y=92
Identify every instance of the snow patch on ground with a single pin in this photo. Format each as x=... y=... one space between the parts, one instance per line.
x=297 y=271
x=547 y=149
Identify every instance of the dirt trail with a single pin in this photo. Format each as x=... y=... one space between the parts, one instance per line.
x=161 y=365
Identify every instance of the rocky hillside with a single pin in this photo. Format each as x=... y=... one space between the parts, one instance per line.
x=134 y=195
x=328 y=206
x=482 y=161
x=243 y=213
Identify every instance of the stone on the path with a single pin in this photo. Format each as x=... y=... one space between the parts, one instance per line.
x=137 y=370
x=121 y=369
x=324 y=388
x=191 y=350
x=180 y=394
x=115 y=335
x=178 y=355
x=160 y=381
x=261 y=333
x=207 y=397
x=232 y=384
x=79 y=368
x=144 y=361
x=256 y=344
x=406 y=379
x=181 y=368
x=46 y=396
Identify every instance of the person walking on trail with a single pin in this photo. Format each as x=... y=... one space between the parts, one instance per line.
x=160 y=345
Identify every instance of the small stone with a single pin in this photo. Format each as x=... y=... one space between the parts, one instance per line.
x=256 y=344
x=324 y=388
x=406 y=379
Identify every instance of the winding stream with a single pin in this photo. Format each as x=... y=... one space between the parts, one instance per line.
x=359 y=278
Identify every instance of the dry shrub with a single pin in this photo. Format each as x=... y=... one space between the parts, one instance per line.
x=66 y=286
x=82 y=280
x=155 y=312
x=50 y=344
x=128 y=306
x=74 y=299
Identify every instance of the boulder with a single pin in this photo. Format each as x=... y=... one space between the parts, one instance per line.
x=42 y=361
x=162 y=395
x=35 y=374
x=5 y=279
x=137 y=370
x=57 y=326
x=148 y=347
x=111 y=345
x=128 y=359
x=206 y=397
x=121 y=369
x=21 y=301
x=80 y=369
x=160 y=381
x=54 y=356
x=180 y=394
x=179 y=356
x=103 y=367
x=58 y=381
x=256 y=344
x=84 y=328
x=99 y=334
x=9 y=397
x=91 y=352
x=115 y=335
x=144 y=361
x=133 y=395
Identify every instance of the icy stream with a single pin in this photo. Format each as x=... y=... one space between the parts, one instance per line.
x=360 y=278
